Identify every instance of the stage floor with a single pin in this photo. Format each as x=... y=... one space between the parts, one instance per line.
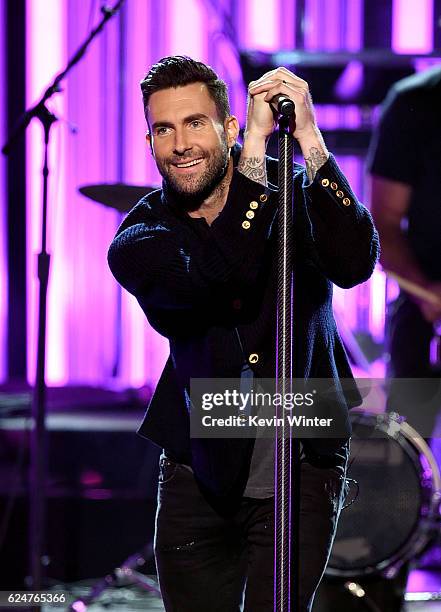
x=422 y=585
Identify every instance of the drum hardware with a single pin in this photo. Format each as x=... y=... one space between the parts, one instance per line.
x=353 y=498
x=124 y=575
x=392 y=422
x=415 y=289
x=119 y=196
x=356 y=590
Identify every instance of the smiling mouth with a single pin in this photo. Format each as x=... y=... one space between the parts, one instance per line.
x=189 y=164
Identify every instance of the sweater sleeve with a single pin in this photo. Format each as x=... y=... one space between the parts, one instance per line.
x=173 y=266
x=170 y=266
x=341 y=237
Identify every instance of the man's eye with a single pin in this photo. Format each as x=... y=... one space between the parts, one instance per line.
x=160 y=131
x=196 y=123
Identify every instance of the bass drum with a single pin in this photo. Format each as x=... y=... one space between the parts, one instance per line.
x=396 y=511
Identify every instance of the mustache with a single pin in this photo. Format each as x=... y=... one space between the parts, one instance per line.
x=180 y=159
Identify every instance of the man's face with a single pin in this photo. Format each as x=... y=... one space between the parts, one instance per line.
x=190 y=143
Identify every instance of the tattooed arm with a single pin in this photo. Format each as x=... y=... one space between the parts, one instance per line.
x=314 y=151
x=317 y=157
x=252 y=159
x=254 y=168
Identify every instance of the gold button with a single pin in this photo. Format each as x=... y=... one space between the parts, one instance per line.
x=254 y=205
x=246 y=225
x=334 y=186
x=346 y=201
x=325 y=182
x=250 y=214
x=263 y=197
x=253 y=358
x=339 y=194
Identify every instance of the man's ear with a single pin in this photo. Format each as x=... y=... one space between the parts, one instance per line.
x=231 y=126
x=149 y=139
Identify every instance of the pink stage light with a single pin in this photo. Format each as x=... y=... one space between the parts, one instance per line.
x=93 y=103
x=45 y=56
x=352 y=116
x=350 y=81
x=228 y=67
x=323 y=29
x=412 y=26
x=354 y=25
x=144 y=350
x=3 y=232
x=82 y=292
x=267 y=26
x=262 y=25
x=334 y=25
x=187 y=29
x=287 y=24
x=377 y=308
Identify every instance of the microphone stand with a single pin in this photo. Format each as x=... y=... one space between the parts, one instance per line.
x=287 y=449
x=38 y=470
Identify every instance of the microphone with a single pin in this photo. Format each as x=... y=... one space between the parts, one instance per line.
x=283 y=105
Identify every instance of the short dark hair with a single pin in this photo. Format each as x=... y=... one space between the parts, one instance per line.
x=180 y=70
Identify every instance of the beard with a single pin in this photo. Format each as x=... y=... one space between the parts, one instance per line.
x=192 y=190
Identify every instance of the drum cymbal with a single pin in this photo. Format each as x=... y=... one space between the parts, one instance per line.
x=115 y=195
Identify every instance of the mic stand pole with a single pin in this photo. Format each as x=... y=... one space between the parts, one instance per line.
x=39 y=435
x=37 y=522
x=287 y=449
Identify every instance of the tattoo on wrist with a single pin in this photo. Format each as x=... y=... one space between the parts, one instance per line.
x=254 y=168
x=317 y=157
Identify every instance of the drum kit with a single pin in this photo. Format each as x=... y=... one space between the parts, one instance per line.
x=394 y=477
x=396 y=514
x=397 y=511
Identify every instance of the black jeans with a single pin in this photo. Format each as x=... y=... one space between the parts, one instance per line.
x=207 y=563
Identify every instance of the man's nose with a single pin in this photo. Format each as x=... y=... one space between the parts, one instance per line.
x=182 y=143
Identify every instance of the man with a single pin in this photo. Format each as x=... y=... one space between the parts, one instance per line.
x=404 y=164
x=199 y=255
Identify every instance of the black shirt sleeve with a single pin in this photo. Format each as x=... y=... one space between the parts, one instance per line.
x=393 y=151
x=343 y=242
x=172 y=267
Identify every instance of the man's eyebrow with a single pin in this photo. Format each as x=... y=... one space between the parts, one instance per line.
x=188 y=119
x=194 y=117
x=161 y=124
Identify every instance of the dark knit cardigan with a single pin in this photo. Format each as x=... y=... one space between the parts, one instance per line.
x=211 y=290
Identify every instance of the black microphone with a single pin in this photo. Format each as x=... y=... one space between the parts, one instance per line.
x=283 y=105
